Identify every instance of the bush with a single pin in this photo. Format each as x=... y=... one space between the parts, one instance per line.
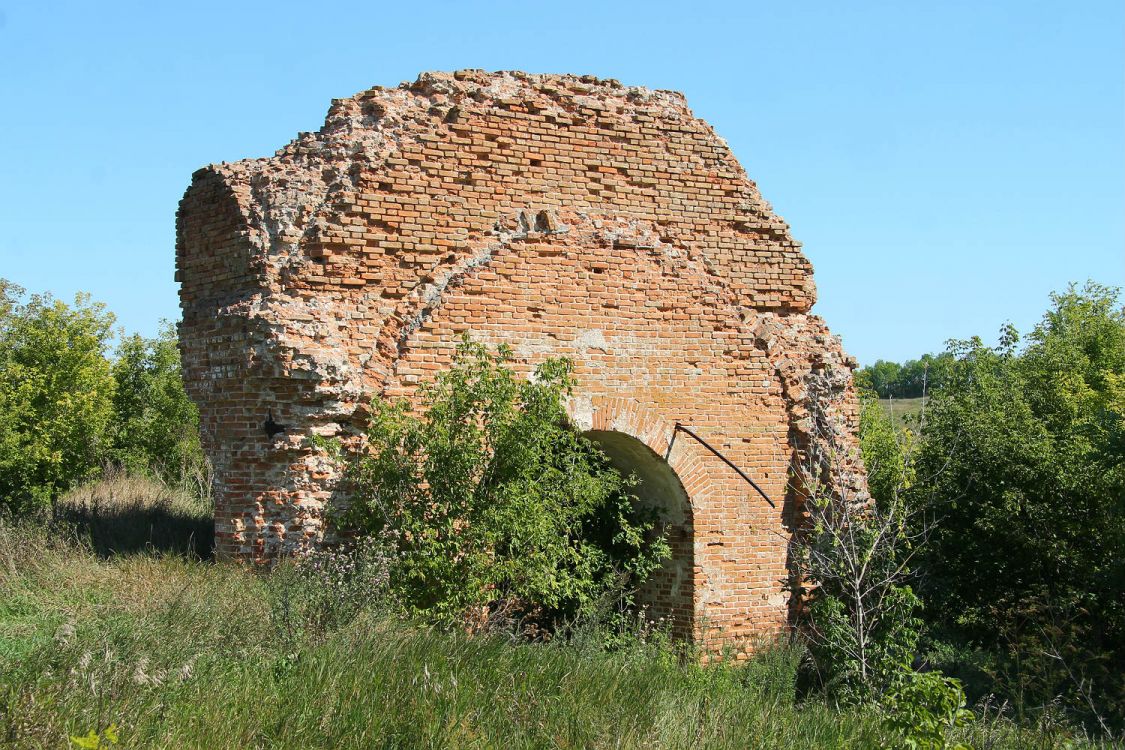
x=924 y=708
x=496 y=506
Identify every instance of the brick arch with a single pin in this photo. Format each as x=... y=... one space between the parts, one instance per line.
x=655 y=338
x=627 y=415
x=655 y=430
x=636 y=441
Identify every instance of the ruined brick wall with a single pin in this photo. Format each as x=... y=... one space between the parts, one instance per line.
x=557 y=214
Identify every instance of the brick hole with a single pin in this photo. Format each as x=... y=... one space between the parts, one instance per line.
x=544 y=222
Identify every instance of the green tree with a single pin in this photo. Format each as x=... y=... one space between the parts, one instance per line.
x=912 y=379
x=883 y=377
x=923 y=375
x=56 y=394
x=495 y=505
x=1022 y=465
x=155 y=425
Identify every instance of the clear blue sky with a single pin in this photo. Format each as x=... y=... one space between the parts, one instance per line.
x=946 y=164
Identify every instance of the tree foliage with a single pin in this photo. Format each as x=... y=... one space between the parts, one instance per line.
x=155 y=426
x=56 y=394
x=495 y=505
x=886 y=453
x=1023 y=463
x=68 y=409
x=911 y=379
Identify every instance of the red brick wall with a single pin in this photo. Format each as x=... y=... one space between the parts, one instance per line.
x=559 y=215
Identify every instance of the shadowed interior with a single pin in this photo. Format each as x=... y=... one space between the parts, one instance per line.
x=668 y=593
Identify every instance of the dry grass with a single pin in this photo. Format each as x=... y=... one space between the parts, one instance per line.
x=125 y=512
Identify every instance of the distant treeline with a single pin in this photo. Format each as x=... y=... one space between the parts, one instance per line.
x=911 y=379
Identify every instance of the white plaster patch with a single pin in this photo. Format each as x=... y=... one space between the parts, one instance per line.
x=592 y=338
x=581 y=409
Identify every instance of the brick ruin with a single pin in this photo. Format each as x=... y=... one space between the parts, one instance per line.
x=561 y=215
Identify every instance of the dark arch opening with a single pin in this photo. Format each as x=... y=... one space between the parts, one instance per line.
x=668 y=593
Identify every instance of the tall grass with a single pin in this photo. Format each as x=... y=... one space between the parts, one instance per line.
x=180 y=652
x=127 y=512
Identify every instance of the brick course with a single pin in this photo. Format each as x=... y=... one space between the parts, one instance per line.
x=561 y=215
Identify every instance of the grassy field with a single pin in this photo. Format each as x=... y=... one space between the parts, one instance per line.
x=904 y=412
x=176 y=652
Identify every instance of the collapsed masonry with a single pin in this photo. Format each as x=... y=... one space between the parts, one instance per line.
x=561 y=215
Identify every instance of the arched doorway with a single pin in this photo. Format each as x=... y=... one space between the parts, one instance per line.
x=669 y=593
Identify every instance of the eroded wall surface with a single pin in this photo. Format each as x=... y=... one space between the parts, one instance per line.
x=561 y=215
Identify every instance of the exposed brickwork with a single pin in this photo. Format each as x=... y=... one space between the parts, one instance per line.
x=558 y=214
